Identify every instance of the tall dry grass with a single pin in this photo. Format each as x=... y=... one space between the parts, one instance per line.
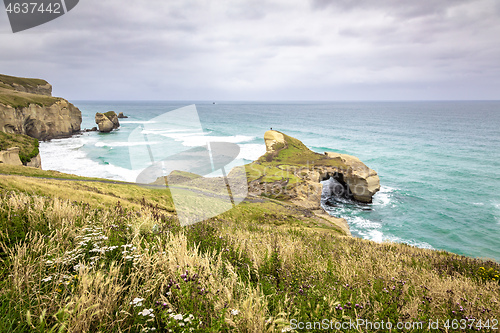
x=70 y=267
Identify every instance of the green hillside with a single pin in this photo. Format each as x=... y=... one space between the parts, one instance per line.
x=88 y=255
x=28 y=146
x=10 y=97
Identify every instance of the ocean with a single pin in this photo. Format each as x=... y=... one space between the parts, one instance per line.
x=438 y=161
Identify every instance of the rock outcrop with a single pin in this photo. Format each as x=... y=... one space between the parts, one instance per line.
x=10 y=156
x=36 y=162
x=59 y=120
x=362 y=181
x=275 y=141
x=26 y=107
x=291 y=171
x=31 y=86
x=107 y=121
x=121 y=115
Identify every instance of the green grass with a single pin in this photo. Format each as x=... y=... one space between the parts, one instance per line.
x=17 y=99
x=99 y=257
x=35 y=172
x=288 y=163
x=28 y=146
x=110 y=114
x=25 y=82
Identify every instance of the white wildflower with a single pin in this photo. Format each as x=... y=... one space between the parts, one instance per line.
x=235 y=312
x=47 y=279
x=137 y=301
x=147 y=312
x=178 y=316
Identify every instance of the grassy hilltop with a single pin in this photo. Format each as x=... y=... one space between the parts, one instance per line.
x=9 y=96
x=79 y=254
x=28 y=146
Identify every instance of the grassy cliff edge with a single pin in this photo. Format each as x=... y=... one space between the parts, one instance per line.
x=88 y=255
x=10 y=96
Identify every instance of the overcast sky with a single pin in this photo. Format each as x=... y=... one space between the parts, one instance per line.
x=263 y=50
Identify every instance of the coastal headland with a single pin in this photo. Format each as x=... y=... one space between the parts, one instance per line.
x=87 y=254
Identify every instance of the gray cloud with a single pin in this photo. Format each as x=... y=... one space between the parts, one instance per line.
x=276 y=49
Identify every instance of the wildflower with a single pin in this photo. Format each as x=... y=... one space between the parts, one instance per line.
x=47 y=279
x=178 y=316
x=147 y=312
x=235 y=312
x=137 y=301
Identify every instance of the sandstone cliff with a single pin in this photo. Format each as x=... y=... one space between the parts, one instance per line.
x=26 y=107
x=19 y=149
x=32 y=86
x=10 y=156
x=291 y=171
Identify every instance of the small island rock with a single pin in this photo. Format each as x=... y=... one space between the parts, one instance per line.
x=121 y=115
x=107 y=121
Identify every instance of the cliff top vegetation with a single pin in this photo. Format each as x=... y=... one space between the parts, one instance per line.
x=17 y=99
x=90 y=255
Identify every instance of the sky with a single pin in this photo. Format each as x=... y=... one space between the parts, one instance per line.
x=260 y=50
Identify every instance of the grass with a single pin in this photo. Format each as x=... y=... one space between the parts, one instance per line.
x=288 y=162
x=28 y=146
x=18 y=99
x=25 y=82
x=90 y=256
x=34 y=172
x=110 y=114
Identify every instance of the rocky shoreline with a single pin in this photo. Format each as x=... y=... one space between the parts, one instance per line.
x=292 y=172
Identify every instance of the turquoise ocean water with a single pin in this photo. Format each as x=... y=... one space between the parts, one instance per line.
x=438 y=162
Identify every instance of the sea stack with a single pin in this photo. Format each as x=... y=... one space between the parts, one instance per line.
x=107 y=121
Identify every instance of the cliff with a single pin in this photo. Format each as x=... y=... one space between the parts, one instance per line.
x=27 y=107
x=19 y=149
x=32 y=86
x=290 y=170
x=10 y=156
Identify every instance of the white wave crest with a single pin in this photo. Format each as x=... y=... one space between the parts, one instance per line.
x=123 y=144
x=65 y=155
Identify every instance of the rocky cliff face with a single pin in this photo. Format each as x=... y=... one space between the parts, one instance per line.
x=290 y=170
x=107 y=121
x=36 y=162
x=10 y=156
x=40 y=89
x=61 y=119
x=26 y=107
x=31 y=86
